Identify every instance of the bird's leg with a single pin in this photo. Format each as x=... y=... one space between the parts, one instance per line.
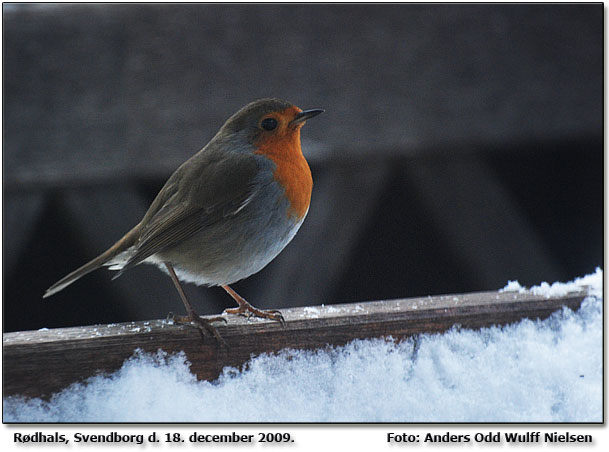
x=201 y=323
x=248 y=310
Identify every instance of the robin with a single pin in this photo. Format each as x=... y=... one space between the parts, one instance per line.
x=226 y=212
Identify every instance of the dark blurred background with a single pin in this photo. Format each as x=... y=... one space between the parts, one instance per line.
x=462 y=145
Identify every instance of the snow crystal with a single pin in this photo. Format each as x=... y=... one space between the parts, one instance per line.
x=593 y=283
x=513 y=286
x=530 y=371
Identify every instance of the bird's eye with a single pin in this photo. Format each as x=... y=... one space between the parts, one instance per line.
x=268 y=123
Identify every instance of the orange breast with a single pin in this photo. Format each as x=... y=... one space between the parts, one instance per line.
x=292 y=170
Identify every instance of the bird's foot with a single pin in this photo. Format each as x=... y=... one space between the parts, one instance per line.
x=204 y=325
x=247 y=310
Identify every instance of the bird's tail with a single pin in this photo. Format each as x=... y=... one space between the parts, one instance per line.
x=105 y=258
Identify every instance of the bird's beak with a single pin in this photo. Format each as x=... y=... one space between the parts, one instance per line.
x=306 y=114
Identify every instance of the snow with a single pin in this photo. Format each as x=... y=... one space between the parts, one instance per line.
x=531 y=371
x=592 y=282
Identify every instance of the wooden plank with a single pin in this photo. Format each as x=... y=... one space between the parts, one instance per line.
x=102 y=217
x=135 y=118
x=344 y=200
x=501 y=241
x=20 y=213
x=39 y=363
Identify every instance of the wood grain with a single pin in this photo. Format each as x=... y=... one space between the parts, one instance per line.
x=39 y=363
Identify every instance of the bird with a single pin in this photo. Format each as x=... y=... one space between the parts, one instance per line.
x=225 y=213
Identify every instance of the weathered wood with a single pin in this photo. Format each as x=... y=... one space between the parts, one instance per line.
x=39 y=363
x=344 y=200
x=394 y=78
x=102 y=217
x=505 y=242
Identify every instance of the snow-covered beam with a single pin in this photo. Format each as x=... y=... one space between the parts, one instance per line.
x=39 y=363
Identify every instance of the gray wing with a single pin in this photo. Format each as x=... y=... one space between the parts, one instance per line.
x=203 y=191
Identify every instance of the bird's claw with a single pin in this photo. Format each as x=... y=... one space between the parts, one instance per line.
x=248 y=311
x=277 y=316
x=203 y=325
x=218 y=319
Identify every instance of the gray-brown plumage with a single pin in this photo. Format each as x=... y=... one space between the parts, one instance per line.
x=227 y=211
